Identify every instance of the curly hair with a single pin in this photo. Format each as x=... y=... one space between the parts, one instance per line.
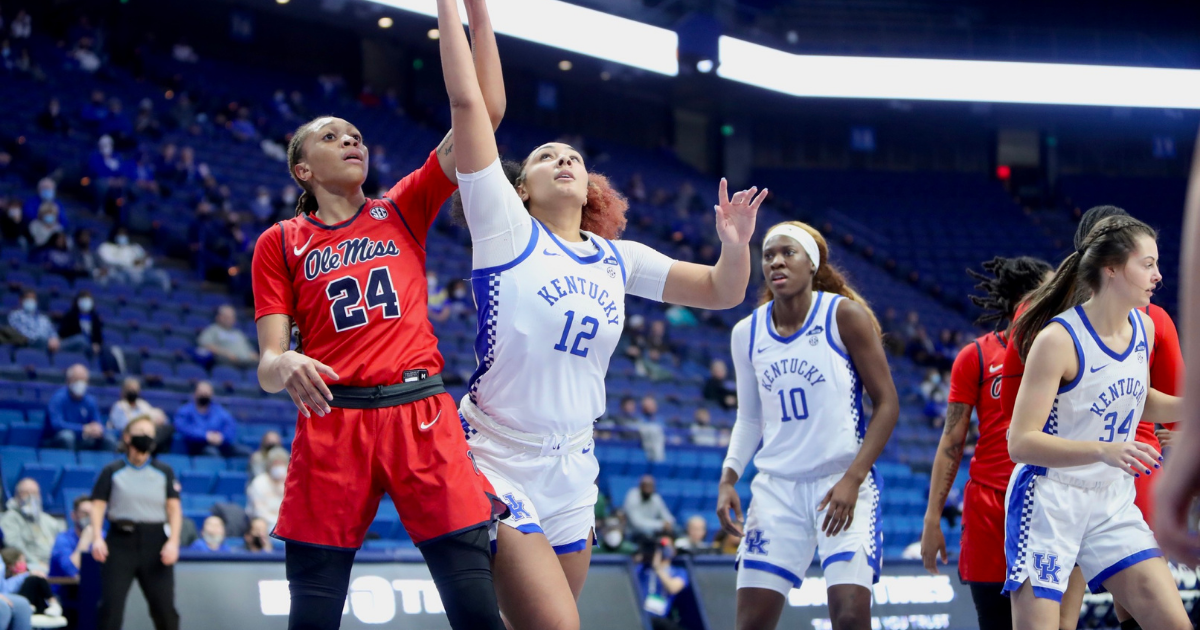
x=828 y=277
x=603 y=212
x=1010 y=280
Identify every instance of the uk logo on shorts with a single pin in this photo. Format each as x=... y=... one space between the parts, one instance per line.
x=516 y=507
x=755 y=543
x=1047 y=566
x=379 y=213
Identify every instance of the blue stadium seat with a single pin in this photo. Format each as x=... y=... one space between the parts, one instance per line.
x=12 y=458
x=238 y=464
x=200 y=502
x=225 y=373
x=208 y=464
x=45 y=474
x=31 y=357
x=97 y=459
x=190 y=371
x=36 y=416
x=178 y=463
x=197 y=481
x=229 y=482
x=57 y=457
x=154 y=367
x=25 y=435
x=65 y=360
x=78 y=477
x=11 y=416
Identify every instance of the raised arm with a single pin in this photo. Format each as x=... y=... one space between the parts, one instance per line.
x=722 y=285
x=474 y=141
x=491 y=79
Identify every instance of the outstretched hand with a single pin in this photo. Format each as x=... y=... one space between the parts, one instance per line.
x=736 y=216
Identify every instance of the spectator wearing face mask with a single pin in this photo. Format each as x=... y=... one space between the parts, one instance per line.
x=46 y=225
x=132 y=406
x=33 y=325
x=73 y=418
x=660 y=583
x=719 y=388
x=67 y=554
x=259 y=463
x=646 y=511
x=127 y=262
x=47 y=193
x=207 y=428
x=81 y=329
x=29 y=529
x=31 y=584
x=109 y=174
x=257 y=538
x=212 y=537
x=140 y=498
x=57 y=257
x=612 y=538
x=265 y=493
x=262 y=207
x=14 y=229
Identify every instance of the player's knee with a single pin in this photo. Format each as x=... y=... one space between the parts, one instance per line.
x=461 y=569
x=851 y=618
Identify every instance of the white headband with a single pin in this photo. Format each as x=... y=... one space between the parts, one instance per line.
x=802 y=236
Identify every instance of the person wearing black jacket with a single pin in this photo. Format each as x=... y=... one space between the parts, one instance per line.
x=81 y=328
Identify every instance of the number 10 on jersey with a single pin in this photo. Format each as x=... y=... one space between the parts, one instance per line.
x=794 y=401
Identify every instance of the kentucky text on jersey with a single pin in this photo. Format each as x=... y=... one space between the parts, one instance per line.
x=1124 y=387
x=355 y=250
x=791 y=366
x=559 y=288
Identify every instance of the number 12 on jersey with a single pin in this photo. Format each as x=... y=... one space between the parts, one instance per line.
x=584 y=334
x=799 y=405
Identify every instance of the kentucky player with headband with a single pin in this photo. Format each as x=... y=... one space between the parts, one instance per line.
x=1085 y=389
x=803 y=359
x=551 y=285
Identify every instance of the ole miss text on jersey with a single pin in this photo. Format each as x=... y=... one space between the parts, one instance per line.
x=357 y=290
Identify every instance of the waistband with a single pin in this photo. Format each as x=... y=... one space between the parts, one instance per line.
x=382 y=396
x=544 y=445
x=1077 y=482
x=828 y=469
x=128 y=527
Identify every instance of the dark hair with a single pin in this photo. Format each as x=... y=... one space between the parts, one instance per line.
x=80 y=500
x=603 y=212
x=1108 y=244
x=122 y=446
x=828 y=277
x=1010 y=281
x=10 y=555
x=1093 y=216
x=306 y=203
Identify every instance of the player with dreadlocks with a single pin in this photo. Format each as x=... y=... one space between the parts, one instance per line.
x=975 y=383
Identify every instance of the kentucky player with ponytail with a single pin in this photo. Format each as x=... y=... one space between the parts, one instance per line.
x=1086 y=387
x=803 y=360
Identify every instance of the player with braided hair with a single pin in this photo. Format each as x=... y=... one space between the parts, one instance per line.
x=975 y=384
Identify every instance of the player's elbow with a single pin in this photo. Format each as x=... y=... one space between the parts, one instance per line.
x=496 y=113
x=469 y=103
x=1018 y=448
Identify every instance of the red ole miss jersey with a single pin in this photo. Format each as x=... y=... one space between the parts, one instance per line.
x=975 y=380
x=357 y=290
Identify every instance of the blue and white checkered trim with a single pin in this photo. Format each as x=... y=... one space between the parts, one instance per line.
x=856 y=403
x=1017 y=524
x=487 y=295
x=875 y=537
x=1051 y=427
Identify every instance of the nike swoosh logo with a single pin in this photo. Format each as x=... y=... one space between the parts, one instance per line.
x=762 y=350
x=435 y=419
x=995 y=368
x=300 y=250
x=550 y=253
x=1095 y=369
x=587 y=450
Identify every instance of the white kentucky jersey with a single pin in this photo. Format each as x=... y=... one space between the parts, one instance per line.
x=551 y=315
x=808 y=394
x=1106 y=399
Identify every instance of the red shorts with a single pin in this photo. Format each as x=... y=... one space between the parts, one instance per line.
x=1144 y=485
x=981 y=559
x=343 y=463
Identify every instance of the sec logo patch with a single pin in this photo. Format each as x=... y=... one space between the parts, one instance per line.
x=379 y=213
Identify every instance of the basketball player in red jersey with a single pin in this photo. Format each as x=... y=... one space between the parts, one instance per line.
x=349 y=273
x=1166 y=374
x=975 y=383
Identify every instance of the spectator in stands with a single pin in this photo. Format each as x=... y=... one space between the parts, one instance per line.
x=650 y=428
x=207 y=428
x=109 y=173
x=695 y=540
x=126 y=262
x=702 y=430
x=132 y=406
x=28 y=528
x=117 y=124
x=259 y=461
x=183 y=52
x=242 y=128
x=438 y=301
x=145 y=179
x=147 y=123
x=627 y=414
x=81 y=328
x=70 y=545
x=651 y=365
x=660 y=583
x=262 y=207
x=725 y=543
x=611 y=538
x=212 y=537
x=56 y=257
x=51 y=119
x=47 y=193
x=22 y=25
x=656 y=339
x=33 y=325
x=646 y=511
x=649 y=410
x=461 y=304
x=184 y=115
x=46 y=225
x=258 y=537
x=85 y=55
x=89 y=266
x=94 y=111
x=19 y=579
x=636 y=190
x=265 y=492
x=226 y=343
x=73 y=418
x=285 y=205
x=13 y=227
x=719 y=388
